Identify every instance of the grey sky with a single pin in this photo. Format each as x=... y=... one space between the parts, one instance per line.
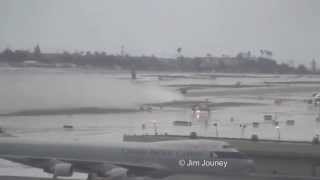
x=290 y=28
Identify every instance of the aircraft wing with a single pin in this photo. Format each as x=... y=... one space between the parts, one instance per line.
x=102 y=168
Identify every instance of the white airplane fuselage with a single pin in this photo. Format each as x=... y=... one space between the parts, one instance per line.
x=157 y=159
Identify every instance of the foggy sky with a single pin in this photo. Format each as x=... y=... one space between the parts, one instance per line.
x=290 y=28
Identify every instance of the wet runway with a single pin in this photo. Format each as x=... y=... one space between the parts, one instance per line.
x=52 y=99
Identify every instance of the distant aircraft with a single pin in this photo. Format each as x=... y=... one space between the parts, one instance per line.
x=128 y=159
x=316 y=98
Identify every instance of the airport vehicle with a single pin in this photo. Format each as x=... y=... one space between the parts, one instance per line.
x=128 y=159
x=201 y=112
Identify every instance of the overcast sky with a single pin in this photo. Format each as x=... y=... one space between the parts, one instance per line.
x=290 y=28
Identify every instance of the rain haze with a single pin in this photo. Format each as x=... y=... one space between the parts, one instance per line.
x=160 y=89
x=289 y=28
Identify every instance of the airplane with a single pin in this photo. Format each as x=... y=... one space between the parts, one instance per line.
x=316 y=98
x=128 y=159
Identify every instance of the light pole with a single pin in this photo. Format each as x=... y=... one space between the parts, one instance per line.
x=155 y=127
x=243 y=128
x=143 y=126
x=217 y=132
x=278 y=130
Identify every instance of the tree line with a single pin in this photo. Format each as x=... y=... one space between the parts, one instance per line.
x=241 y=63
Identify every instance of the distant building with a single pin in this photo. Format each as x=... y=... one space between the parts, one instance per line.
x=30 y=62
